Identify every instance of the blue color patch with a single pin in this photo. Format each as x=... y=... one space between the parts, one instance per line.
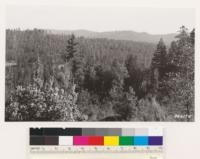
x=140 y=140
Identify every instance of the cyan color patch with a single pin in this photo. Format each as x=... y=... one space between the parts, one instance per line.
x=140 y=140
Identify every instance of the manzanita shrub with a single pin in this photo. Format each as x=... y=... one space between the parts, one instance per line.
x=32 y=103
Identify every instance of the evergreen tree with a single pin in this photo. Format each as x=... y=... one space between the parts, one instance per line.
x=90 y=74
x=76 y=60
x=192 y=36
x=71 y=48
x=183 y=37
x=159 y=59
x=119 y=71
x=123 y=103
x=172 y=54
x=135 y=75
x=77 y=68
x=177 y=52
x=180 y=83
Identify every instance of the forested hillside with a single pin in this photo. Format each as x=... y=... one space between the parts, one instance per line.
x=54 y=45
x=60 y=77
x=119 y=35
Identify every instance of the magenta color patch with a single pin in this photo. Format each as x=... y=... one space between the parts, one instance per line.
x=81 y=140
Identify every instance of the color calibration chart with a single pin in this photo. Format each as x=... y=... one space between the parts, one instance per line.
x=98 y=143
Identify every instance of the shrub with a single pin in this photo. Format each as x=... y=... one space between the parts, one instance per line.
x=32 y=103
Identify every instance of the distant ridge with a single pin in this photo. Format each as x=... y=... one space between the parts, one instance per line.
x=119 y=35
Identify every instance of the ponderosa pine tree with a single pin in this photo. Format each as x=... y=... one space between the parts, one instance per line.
x=159 y=59
x=183 y=37
x=172 y=57
x=176 y=55
x=123 y=103
x=119 y=71
x=135 y=75
x=71 y=48
x=180 y=83
x=76 y=60
x=77 y=67
x=192 y=36
x=158 y=68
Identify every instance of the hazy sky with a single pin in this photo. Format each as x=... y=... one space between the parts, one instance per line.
x=151 y=20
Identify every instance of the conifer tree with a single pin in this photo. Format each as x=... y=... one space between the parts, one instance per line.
x=192 y=36
x=75 y=58
x=160 y=59
x=71 y=48
x=180 y=83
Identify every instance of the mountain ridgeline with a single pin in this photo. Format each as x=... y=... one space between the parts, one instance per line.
x=119 y=35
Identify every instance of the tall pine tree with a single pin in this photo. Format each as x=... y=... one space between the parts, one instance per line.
x=74 y=56
x=71 y=48
x=159 y=59
x=180 y=82
x=192 y=36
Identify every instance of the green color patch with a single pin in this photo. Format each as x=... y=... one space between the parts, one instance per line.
x=126 y=140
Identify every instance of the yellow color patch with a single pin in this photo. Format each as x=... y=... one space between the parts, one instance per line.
x=111 y=140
